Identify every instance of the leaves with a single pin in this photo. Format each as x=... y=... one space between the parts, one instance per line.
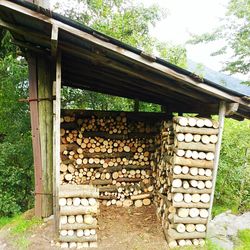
x=235 y=30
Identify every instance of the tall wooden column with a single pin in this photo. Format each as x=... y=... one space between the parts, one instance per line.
x=222 y=112
x=40 y=76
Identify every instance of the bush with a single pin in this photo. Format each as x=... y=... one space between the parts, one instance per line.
x=233 y=181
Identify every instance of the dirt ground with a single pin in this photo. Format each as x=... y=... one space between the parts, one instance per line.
x=119 y=229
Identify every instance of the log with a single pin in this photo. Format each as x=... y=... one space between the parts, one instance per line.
x=203 y=213
x=177 y=169
x=177 y=183
x=138 y=203
x=193 y=130
x=192 y=163
x=178 y=197
x=175 y=235
x=74 y=238
x=187 y=198
x=189 y=137
x=146 y=202
x=188 y=220
x=112 y=188
x=190 y=177
x=196 y=198
x=195 y=146
x=205 y=198
x=194 y=212
x=191 y=191
x=72 y=210
x=183 y=121
x=190 y=205
x=140 y=196
x=76 y=226
x=180 y=228
x=82 y=191
x=190 y=228
x=129 y=180
x=62 y=202
x=127 y=203
x=185 y=169
x=183 y=212
x=200 y=228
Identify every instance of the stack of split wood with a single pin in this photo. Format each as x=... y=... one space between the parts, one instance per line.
x=184 y=205
x=78 y=208
x=112 y=151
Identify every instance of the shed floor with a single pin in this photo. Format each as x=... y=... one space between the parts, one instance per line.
x=120 y=229
x=130 y=229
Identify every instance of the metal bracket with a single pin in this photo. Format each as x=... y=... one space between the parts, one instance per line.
x=35 y=99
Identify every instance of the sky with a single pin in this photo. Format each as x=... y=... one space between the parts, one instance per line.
x=186 y=17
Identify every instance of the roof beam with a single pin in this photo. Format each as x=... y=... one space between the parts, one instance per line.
x=54 y=40
x=101 y=73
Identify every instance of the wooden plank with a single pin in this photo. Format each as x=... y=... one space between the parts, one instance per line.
x=222 y=112
x=54 y=41
x=192 y=177
x=56 y=139
x=190 y=204
x=46 y=132
x=35 y=133
x=189 y=220
x=191 y=190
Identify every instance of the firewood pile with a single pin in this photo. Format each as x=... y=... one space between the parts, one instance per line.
x=134 y=161
x=78 y=208
x=111 y=151
x=184 y=179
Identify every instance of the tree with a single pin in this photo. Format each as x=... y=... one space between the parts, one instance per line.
x=16 y=164
x=235 y=30
x=127 y=22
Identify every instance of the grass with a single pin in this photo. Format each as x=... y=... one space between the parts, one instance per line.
x=218 y=209
x=244 y=240
x=4 y=221
x=208 y=246
x=20 y=228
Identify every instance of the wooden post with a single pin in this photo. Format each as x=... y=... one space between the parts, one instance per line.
x=136 y=105
x=46 y=130
x=40 y=93
x=33 y=94
x=222 y=112
x=56 y=138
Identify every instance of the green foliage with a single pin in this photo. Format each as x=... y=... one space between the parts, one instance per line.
x=19 y=229
x=235 y=29
x=4 y=221
x=175 y=54
x=16 y=170
x=128 y=22
x=233 y=182
x=244 y=236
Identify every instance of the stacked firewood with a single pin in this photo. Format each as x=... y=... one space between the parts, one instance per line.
x=186 y=203
x=78 y=208
x=163 y=170
x=112 y=152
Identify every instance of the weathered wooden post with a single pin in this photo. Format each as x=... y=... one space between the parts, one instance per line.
x=40 y=76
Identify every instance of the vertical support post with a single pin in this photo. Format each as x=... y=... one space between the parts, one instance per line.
x=222 y=112
x=136 y=105
x=56 y=139
x=34 y=113
x=44 y=74
x=40 y=92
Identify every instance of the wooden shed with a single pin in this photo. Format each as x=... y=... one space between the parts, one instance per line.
x=61 y=52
